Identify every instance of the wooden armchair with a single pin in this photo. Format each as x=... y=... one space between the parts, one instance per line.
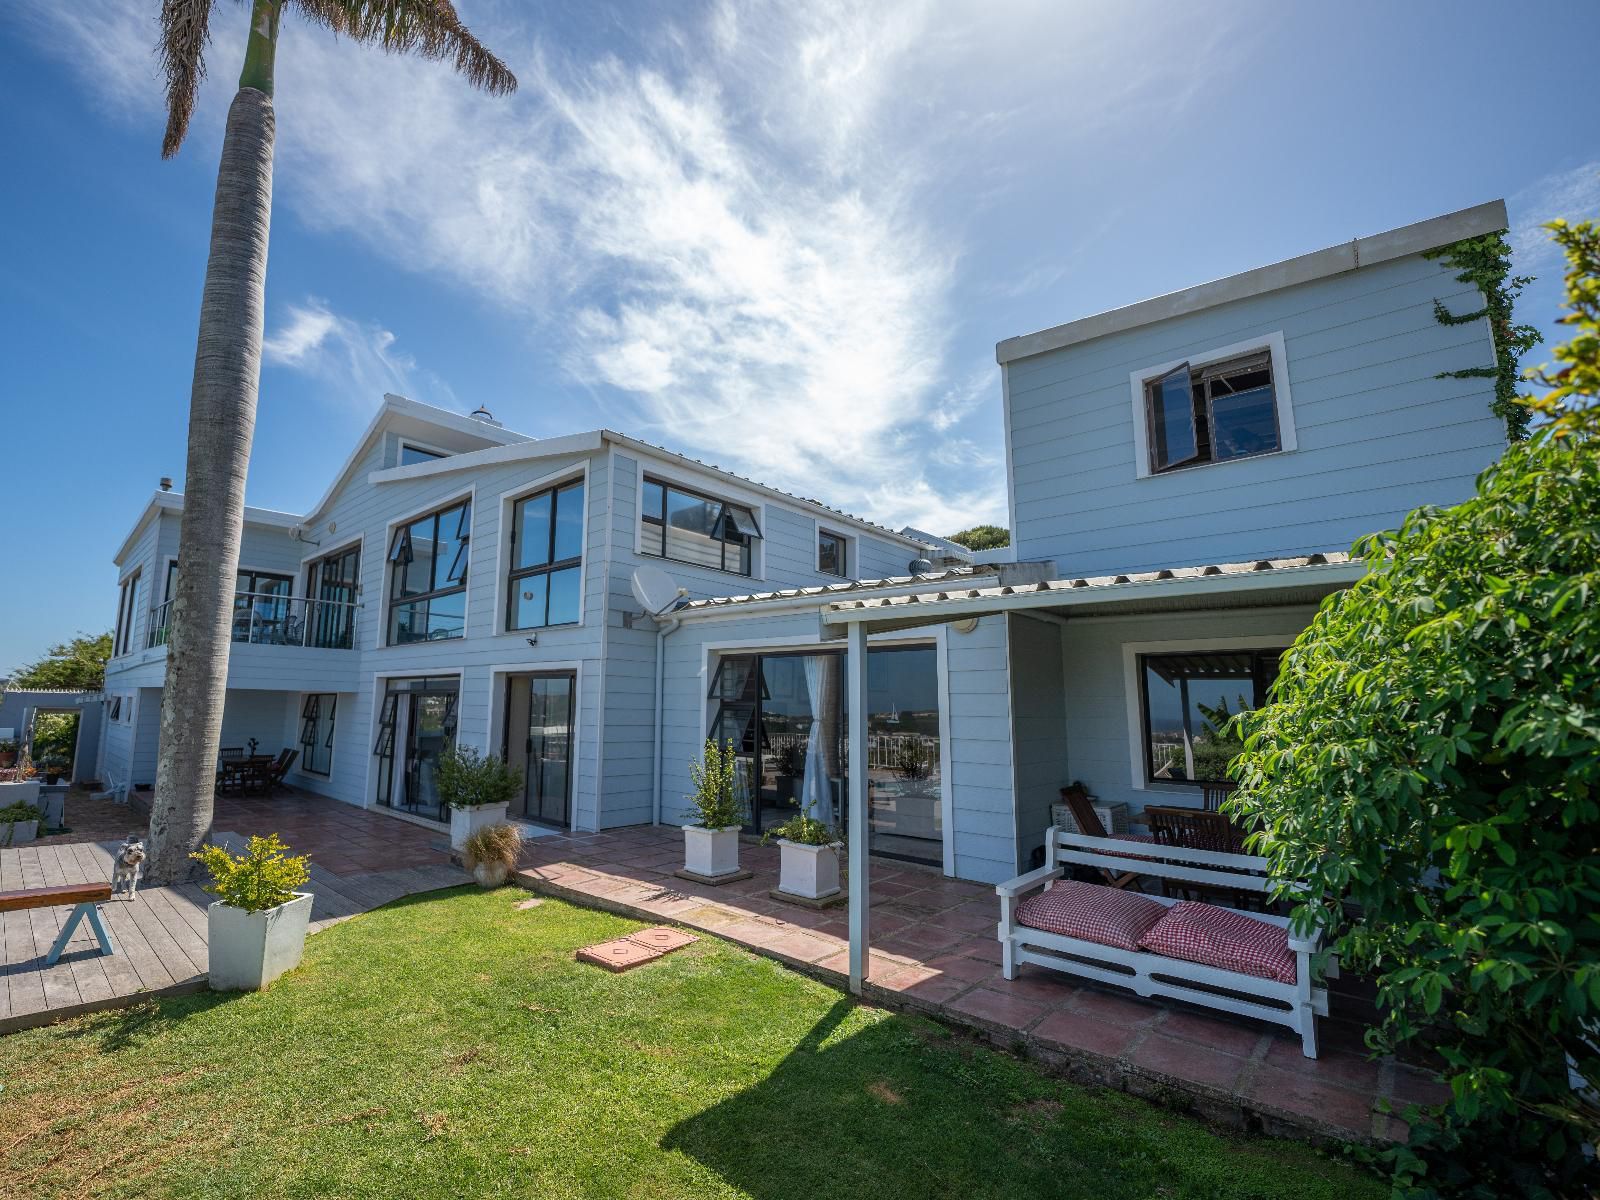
x=1197 y=829
x=273 y=778
x=1089 y=823
x=1213 y=794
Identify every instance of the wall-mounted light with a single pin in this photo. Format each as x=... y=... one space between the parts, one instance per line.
x=533 y=639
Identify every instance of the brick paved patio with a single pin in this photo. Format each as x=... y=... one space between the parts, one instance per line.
x=934 y=949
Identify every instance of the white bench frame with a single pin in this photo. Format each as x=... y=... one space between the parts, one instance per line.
x=1296 y=1004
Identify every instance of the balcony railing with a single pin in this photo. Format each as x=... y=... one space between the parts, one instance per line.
x=266 y=619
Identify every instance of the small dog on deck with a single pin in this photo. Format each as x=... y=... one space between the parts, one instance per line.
x=129 y=864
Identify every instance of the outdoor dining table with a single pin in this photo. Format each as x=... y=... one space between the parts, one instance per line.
x=243 y=774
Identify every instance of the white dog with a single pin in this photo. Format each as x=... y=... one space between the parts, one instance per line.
x=129 y=865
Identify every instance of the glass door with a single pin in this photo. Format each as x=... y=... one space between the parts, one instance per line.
x=905 y=788
x=539 y=720
x=416 y=724
x=331 y=585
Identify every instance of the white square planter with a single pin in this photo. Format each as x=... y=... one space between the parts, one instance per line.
x=26 y=792
x=811 y=872
x=18 y=833
x=464 y=822
x=711 y=852
x=249 y=950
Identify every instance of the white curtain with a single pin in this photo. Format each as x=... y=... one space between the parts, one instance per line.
x=815 y=801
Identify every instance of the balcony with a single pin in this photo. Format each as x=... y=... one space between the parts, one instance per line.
x=271 y=619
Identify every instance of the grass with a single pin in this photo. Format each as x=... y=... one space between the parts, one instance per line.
x=448 y=1045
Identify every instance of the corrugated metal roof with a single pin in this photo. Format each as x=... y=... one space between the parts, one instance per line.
x=1203 y=571
x=823 y=591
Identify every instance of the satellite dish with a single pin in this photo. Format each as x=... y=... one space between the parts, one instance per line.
x=654 y=590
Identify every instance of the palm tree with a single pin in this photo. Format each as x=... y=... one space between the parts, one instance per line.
x=227 y=365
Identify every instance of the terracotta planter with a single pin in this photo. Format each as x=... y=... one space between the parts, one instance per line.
x=811 y=872
x=711 y=852
x=249 y=950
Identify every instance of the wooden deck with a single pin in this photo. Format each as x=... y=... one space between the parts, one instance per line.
x=160 y=935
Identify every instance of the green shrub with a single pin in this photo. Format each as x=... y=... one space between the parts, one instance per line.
x=467 y=778
x=1432 y=753
x=20 y=811
x=263 y=877
x=712 y=803
x=806 y=830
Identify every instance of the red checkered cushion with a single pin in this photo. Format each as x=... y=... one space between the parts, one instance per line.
x=1219 y=937
x=1092 y=913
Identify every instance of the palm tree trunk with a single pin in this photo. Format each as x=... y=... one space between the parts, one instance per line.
x=222 y=417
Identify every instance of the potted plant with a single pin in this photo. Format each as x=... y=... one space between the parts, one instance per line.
x=491 y=853
x=256 y=930
x=790 y=761
x=808 y=857
x=8 y=753
x=477 y=788
x=19 y=822
x=18 y=785
x=54 y=767
x=711 y=839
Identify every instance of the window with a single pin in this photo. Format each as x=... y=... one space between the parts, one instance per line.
x=1212 y=412
x=1187 y=700
x=122 y=640
x=316 y=733
x=546 y=558
x=410 y=454
x=161 y=617
x=262 y=608
x=700 y=530
x=831 y=554
x=428 y=576
x=116 y=709
x=332 y=583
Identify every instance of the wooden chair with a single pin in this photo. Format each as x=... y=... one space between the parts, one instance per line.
x=1089 y=823
x=1197 y=829
x=1213 y=794
x=272 y=778
x=230 y=752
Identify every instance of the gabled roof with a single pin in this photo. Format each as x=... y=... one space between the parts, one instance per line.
x=1347 y=256
x=172 y=502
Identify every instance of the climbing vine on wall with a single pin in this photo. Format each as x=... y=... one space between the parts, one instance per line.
x=1485 y=262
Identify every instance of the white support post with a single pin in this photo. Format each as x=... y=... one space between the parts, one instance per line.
x=859 y=831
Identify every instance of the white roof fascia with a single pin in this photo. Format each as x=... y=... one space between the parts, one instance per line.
x=1320 y=264
x=812 y=603
x=173 y=502
x=528 y=451
x=1337 y=574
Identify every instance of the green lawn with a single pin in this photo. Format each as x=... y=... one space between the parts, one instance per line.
x=450 y=1046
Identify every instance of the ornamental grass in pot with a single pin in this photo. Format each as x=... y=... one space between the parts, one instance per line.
x=711 y=838
x=491 y=853
x=256 y=930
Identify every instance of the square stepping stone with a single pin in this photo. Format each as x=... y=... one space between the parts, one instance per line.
x=534 y=902
x=662 y=938
x=618 y=955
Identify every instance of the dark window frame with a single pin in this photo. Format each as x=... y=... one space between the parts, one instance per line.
x=1263 y=673
x=400 y=555
x=843 y=544
x=515 y=574
x=1201 y=383
x=428 y=453
x=310 y=718
x=127 y=601
x=742 y=542
x=331 y=619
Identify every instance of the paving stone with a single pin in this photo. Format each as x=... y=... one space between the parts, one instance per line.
x=1188 y=1061
x=662 y=938
x=1330 y=1065
x=997 y=1011
x=1216 y=1032
x=618 y=955
x=1074 y=1031
x=1327 y=1103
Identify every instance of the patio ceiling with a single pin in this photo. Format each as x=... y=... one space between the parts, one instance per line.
x=1261 y=583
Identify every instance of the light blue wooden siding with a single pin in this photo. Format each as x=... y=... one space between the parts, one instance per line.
x=146 y=736
x=1039 y=727
x=1378 y=432
x=262 y=715
x=1099 y=689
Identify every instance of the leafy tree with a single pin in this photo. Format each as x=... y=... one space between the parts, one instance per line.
x=80 y=664
x=1432 y=755
x=983 y=537
x=227 y=364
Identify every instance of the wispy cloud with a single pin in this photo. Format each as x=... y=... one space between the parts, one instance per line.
x=1573 y=194
x=357 y=360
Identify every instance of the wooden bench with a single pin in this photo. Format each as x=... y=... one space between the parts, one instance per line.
x=1295 y=1005
x=85 y=897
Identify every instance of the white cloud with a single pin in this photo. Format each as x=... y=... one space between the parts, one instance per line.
x=1573 y=194
x=356 y=359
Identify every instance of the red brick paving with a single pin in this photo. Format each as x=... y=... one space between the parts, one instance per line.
x=934 y=950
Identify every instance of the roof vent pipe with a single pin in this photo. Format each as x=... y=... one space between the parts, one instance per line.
x=166 y=483
x=483 y=414
x=921 y=566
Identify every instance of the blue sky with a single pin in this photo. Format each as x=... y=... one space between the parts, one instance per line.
x=783 y=237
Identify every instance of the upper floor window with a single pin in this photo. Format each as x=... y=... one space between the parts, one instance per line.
x=332 y=584
x=122 y=640
x=428 y=576
x=410 y=454
x=546 y=558
x=831 y=554
x=690 y=527
x=1188 y=700
x=1212 y=413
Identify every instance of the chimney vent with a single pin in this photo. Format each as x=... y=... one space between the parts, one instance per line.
x=483 y=414
x=166 y=483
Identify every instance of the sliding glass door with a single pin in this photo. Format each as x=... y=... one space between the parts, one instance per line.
x=905 y=782
x=416 y=723
x=538 y=742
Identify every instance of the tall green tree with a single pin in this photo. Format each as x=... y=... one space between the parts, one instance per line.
x=983 y=537
x=80 y=663
x=227 y=365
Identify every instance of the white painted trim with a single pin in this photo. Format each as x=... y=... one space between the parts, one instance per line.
x=1280 y=397
x=1011 y=469
x=605 y=637
x=381 y=641
x=503 y=548
x=852 y=551
x=671 y=473
x=498 y=675
x=401 y=442
x=1130 y=687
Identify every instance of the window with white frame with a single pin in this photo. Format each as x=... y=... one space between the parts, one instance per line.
x=411 y=454
x=690 y=527
x=1187 y=700
x=833 y=554
x=546 y=558
x=428 y=576
x=1225 y=405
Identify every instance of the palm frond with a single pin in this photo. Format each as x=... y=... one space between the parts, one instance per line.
x=185 y=30
x=430 y=28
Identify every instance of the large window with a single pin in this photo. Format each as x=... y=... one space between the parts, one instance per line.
x=332 y=583
x=162 y=617
x=701 y=530
x=831 y=554
x=410 y=454
x=546 y=558
x=428 y=576
x=262 y=609
x=1187 y=700
x=1212 y=413
x=316 y=732
x=122 y=640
